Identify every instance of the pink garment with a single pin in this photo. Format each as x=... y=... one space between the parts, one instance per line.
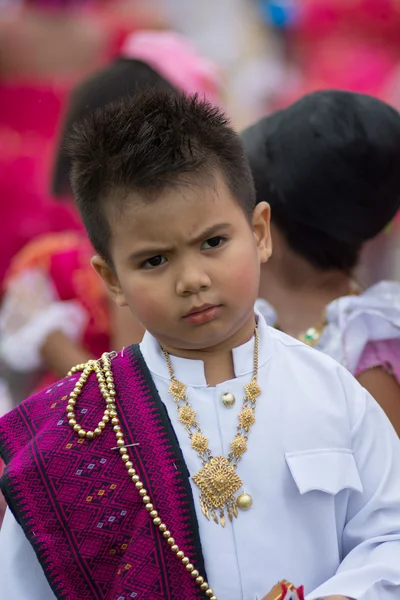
x=29 y=116
x=175 y=58
x=385 y=354
x=349 y=45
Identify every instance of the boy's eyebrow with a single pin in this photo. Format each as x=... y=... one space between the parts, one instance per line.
x=209 y=232
x=154 y=250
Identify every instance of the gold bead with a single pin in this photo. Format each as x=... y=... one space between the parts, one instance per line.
x=131 y=471
x=175 y=548
x=69 y=408
x=143 y=492
x=119 y=435
x=157 y=521
x=106 y=419
x=139 y=485
x=129 y=465
x=135 y=479
x=112 y=393
x=113 y=413
x=149 y=507
x=73 y=395
x=71 y=402
x=120 y=443
x=213 y=598
x=90 y=435
x=146 y=499
x=209 y=593
x=97 y=431
x=124 y=452
x=204 y=586
x=189 y=567
x=125 y=458
x=194 y=574
x=244 y=502
x=163 y=527
x=77 y=428
x=180 y=554
x=114 y=421
x=153 y=514
x=167 y=534
x=170 y=541
x=116 y=428
x=82 y=433
x=72 y=422
x=199 y=579
x=186 y=561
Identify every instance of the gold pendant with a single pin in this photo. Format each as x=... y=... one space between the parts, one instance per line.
x=228 y=399
x=218 y=482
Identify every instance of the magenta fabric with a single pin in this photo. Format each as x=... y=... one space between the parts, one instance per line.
x=385 y=354
x=76 y=503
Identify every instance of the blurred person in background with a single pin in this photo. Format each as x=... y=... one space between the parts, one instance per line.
x=329 y=167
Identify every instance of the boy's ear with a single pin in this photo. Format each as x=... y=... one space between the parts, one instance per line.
x=262 y=230
x=110 y=278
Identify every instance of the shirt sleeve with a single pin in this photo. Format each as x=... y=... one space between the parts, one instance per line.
x=370 y=567
x=21 y=575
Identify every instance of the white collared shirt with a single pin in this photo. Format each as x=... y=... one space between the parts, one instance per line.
x=322 y=467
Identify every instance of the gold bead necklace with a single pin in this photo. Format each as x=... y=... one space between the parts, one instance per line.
x=218 y=480
x=105 y=379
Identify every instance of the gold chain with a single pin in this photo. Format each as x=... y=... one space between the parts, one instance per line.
x=217 y=480
x=105 y=380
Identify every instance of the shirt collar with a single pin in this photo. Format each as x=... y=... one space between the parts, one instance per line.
x=191 y=372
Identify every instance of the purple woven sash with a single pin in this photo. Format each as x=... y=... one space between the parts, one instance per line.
x=76 y=503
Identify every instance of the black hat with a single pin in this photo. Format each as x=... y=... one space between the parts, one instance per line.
x=332 y=161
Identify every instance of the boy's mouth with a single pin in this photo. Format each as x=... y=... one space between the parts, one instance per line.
x=202 y=314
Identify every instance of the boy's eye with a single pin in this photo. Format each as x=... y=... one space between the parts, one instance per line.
x=214 y=242
x=154 y=261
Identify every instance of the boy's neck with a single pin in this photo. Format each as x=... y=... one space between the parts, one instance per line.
x=218 y=360
x=300 y=294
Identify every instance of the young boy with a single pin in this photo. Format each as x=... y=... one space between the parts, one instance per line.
x=218 y=447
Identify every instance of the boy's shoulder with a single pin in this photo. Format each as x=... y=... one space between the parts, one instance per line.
x=298 y=351
x=316 y=378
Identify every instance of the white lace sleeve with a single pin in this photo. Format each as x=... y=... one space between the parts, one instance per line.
x=354 y=321
x=30 y=311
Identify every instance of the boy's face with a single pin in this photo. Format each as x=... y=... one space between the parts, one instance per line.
x=188 y=264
